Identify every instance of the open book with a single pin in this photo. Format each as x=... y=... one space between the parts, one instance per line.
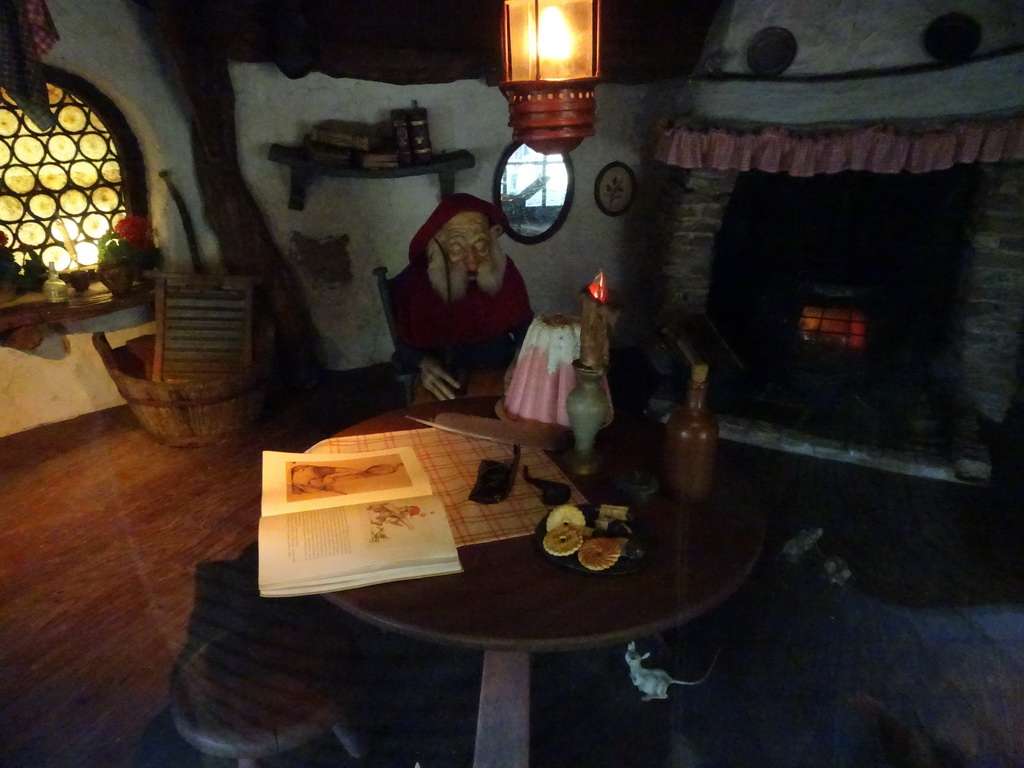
x=333 y=521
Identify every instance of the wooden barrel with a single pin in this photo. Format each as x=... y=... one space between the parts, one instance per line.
x=187 y=413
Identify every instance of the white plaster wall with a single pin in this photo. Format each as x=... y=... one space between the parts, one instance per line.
x=990 y=87
x=841 y=36
x=381 y=215
x=101 y=40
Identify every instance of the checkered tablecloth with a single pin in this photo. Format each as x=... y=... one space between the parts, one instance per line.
x=451 y=461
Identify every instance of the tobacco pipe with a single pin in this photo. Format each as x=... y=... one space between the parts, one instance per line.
x=552 y=493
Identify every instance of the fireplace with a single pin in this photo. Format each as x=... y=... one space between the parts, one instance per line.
x=873 y=317
x=837 y=293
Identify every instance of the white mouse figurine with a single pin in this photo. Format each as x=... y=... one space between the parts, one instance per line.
x=654 y=683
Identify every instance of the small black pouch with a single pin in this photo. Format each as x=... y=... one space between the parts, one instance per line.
x=494 y=480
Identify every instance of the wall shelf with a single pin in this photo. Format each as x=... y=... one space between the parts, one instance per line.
x=303 y=168
x=31 y=310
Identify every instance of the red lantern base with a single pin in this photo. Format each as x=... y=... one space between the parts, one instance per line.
x=551 y=117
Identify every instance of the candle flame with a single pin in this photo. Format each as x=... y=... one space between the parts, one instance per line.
x=598 y=289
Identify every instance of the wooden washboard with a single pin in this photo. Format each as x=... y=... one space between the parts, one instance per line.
x=204 y=326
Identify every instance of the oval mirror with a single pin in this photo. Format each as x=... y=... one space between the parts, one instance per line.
x=534 y=191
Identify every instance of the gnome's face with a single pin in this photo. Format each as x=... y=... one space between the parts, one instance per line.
x=470 y=243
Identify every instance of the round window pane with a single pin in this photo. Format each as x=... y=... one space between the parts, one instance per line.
x=8 y=122
x=105 y=199
x=42 y=206
x=535 y=192
x=29 y=150
x=32 y=234
x=19 y=179
x=84 y=174
x=111 y=172
x=11 y=208
x=53 y=177
x=95 y=225
x=88 y=254
x=73 y=202
x=69 y=224
x=72 y=118
x=93 y=146
x=62 y=148
x=5 y=154
x=56 y=255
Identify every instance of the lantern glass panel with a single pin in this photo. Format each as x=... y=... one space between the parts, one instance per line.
x=565 y=34
x=549 y=39
x=521 y=39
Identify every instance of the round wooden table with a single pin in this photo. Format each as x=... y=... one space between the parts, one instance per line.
x=510 y=600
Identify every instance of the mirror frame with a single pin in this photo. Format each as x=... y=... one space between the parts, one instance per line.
x=499 y=171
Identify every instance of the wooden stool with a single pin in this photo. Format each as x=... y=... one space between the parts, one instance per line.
x=246 y=696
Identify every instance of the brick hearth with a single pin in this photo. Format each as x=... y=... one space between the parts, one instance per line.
x=987 y=344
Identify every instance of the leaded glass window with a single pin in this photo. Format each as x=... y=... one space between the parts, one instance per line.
x=64 y=188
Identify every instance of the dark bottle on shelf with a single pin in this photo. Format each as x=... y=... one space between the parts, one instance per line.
x=400 y=131
x=691 y=442
x=419 y=135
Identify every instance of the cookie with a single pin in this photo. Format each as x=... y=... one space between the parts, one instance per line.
x=566 y=514
x=564 y=540
x=599 y=554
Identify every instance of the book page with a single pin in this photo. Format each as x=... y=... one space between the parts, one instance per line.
x=296 y=482
x=353 y=545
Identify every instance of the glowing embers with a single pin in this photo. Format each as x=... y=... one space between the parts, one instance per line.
x=838 y=329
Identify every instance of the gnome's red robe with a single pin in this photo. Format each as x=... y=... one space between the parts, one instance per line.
x=427 y=324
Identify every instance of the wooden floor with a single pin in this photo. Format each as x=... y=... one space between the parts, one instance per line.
x=101 y=530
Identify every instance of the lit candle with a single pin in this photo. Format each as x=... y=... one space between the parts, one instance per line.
x=596 y=318
x=69 y=244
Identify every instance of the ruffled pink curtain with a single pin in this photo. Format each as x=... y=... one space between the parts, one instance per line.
x=880 y=149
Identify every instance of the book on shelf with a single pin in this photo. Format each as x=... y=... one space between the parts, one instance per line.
x=335 y=521
x=365 y=137
x=376 y=160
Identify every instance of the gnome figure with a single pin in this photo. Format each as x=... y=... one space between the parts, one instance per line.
x=461 y=304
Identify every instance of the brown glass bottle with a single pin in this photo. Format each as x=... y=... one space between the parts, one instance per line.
x=691 y=441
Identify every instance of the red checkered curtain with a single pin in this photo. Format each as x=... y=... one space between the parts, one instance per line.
x=27 y=34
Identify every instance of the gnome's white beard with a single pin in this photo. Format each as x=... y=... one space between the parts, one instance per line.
x=488 y=277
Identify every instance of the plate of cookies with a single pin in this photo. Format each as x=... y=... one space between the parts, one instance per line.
x=590 y=538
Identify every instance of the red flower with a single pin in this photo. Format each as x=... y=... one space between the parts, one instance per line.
x=135 y=231
x=3 y=239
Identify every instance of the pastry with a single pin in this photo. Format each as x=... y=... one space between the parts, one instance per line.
x=562 y=541
x=566 y=514
x=599 y=553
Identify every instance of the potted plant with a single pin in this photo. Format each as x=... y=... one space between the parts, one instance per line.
x=10 y=271
x=125 y=252
x=15 y=277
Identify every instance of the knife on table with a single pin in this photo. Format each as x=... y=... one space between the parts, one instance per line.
x=547 y=437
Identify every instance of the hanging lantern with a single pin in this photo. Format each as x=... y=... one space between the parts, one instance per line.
x=551 y=70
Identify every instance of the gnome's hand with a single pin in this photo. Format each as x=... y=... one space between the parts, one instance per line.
x=437 y=380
